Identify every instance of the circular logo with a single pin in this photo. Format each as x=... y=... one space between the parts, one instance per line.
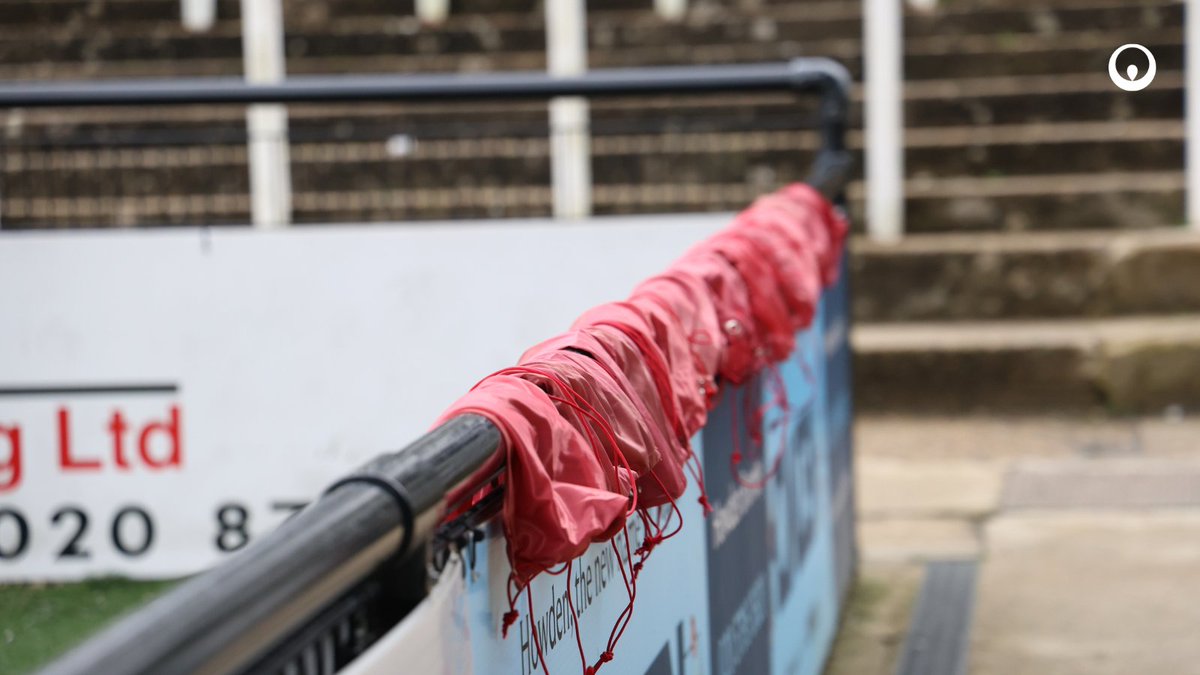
x=1129 y=80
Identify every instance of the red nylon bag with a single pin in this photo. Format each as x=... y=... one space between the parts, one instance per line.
x=792 y=262
x=611 y=374
x=821 y=222
x=661 y=346
x=772 y=318
x=683 y=304
x=740 y=355
x=560 y=495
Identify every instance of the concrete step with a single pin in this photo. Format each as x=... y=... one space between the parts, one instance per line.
x=630 y=22
x=1044 y=17
x=925 y=58
x=48 y=13
x=1047 y=202
x=983 y=277
x=930 y=105
x=763 y=158
x=332 y=9
x=1103 y=201
x=470 y=49
x=1115 y=365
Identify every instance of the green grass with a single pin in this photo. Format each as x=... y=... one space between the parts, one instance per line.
x=39 y=622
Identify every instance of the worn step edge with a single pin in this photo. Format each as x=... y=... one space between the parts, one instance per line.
x=41 y=157
x=1122 y=365
x=1027 y=275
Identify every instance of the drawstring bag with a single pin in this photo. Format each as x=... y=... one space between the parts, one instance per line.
x=594 y=362
x=772 y=317
x=793 y=265
x=560 y=495
x=741 y=354
x=681 y=305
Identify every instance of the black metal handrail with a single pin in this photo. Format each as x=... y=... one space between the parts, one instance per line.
x=268 y=604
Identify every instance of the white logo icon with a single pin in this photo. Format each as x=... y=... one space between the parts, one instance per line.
x=1130 y=80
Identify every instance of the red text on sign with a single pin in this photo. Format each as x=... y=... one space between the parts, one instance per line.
x=10 y=457
x=158 y=443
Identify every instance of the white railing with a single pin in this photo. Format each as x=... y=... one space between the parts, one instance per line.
x=566 y=37
x=883 y=48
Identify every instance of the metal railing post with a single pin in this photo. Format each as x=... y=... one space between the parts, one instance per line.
x=266 y=125
x=198 y=15
x=570 y=146
x=883 y=43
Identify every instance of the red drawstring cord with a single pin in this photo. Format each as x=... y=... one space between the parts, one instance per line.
x=659 y=371
x=589 y=413
x=780 y=400
x=537 y=641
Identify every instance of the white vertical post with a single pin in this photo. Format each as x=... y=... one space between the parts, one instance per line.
x=266 y=124
x=1191 y=46
x=198 y=15
x=884 y=46
x=670 y=10
x=570 y=139
x=432 y=12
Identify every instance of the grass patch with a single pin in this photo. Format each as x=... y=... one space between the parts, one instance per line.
x=41 y=621
x=875 y=620
x=865 y=598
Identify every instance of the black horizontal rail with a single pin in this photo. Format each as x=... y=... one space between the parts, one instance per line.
x=223 y=621
x=246 y=614
x=808 y=74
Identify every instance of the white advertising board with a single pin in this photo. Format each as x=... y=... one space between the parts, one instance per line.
x=167 y=396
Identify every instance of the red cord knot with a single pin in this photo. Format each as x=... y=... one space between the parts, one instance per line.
x=651 y=541
x=606 y=657
x=510 y=617
x=705 y=504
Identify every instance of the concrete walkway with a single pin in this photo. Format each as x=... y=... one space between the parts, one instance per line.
x=1087 y=533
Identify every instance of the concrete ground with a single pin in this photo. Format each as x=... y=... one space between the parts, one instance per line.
x=1087 y=532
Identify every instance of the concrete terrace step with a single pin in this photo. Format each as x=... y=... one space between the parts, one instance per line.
x=1104 y=201
x=932 y=58
x=967 y=102
x=761 y=157
x=1045 y=202
x=471 y=49
x=1136 y=364
x=612 y=22
x=981 y=277
x=62 y=138
x=44 y=13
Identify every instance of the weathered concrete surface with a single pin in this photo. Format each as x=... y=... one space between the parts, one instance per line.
x=900 y=539
x=942 y=488
x=986 y=276
x=962 y=437
x=1121 y=365
x=1029 y=322
x=876 y=620
x=1107 y=483
x=1089 y=594
x=1102 y=577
